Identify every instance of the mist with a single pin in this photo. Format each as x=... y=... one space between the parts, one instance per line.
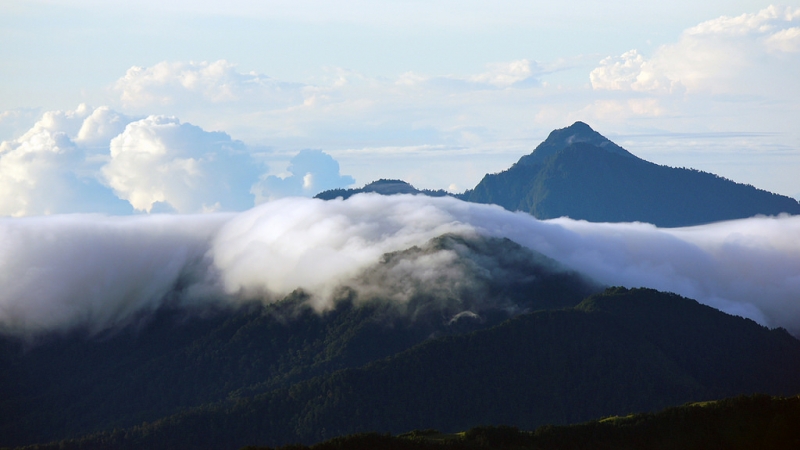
x=58 y=272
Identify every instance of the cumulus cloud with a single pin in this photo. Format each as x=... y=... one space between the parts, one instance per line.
x=59 y=271
x=161 y=160
x=722 y=55
x=15 y=122
x=99 y=160
x=49 y=170
x=618 y=73
x=312 y=171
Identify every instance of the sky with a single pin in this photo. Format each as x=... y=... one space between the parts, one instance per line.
x=121 y=107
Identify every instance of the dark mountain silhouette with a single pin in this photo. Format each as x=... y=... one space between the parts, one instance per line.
x=578 y=173
x=383 y=187
x=743 y=422
x=616 y=353
x=68 y=385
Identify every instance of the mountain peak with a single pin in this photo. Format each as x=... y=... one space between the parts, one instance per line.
x=564 y=137
x=383 y=187
x=389 y=187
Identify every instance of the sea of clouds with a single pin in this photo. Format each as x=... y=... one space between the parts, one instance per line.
x=101 y=271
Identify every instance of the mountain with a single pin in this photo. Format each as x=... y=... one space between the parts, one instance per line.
x=62 y=386
x=743 y=422
x=615 y=353
x=576 y=172
x=383 y=187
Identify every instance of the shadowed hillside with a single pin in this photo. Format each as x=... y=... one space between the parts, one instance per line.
x=616 y=353
x=61 y=386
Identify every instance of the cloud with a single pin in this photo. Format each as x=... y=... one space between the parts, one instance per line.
x=312 y=171
x=160 y=160
x=99 y=160
x=340 y=103
x=61 y=271
x=506 y=74
x=99 y=127
x=96 y=271
x=48 y=171
x=719 y=56
x=617 y=73
x=15 y=122
x=190 y=83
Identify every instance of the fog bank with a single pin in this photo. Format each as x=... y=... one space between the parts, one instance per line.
x=59 y=271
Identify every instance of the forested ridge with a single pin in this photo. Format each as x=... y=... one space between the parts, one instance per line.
x=744 y=422
x=67 y=385
x=619 y=352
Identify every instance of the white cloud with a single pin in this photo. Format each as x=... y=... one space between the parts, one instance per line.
x=312 y=171
x=46 y=171
x=15 y=122
x=506 y=74
x=720 y=56
x=98 y=160
x=100 y=127
x=617 y=73
x=787 y=41
x=169 y=83
x=160 y=160
x=62 y=270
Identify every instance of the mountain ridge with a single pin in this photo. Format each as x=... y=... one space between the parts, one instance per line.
x=546 y=367
x=578 y=173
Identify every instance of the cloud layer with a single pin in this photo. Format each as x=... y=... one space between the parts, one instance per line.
x=98 y=271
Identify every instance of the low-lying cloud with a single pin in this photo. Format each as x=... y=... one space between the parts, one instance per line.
x=61 y=271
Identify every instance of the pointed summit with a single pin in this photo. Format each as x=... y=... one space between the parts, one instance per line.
x=564 y=137
x=580 y=174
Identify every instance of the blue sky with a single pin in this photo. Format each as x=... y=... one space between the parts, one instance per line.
x=205 y=106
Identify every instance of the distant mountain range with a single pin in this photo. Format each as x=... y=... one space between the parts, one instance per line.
x=383 y=187
x=509 y=341
x=578 y=173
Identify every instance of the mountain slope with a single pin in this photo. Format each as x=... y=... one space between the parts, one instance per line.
x=619 y=352
x=580 y=174
x=744 y=422
x=64 y=386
